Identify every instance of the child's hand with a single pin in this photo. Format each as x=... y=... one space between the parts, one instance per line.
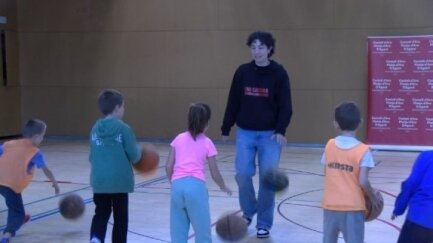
x=393 y=216
x=227 y=190
x=375 y=202
x=56 y=188
x=225 y=138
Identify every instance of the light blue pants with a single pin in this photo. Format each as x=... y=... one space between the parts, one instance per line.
x=189 y=205
x=250 y=144
x=349 y=223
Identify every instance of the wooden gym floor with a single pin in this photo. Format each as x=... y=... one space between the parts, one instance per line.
x=298 y=216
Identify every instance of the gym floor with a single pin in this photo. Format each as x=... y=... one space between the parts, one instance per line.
x=297 y=218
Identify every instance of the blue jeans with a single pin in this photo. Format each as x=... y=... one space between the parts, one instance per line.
x=189 y=205
x=14 y=202
x=250 y=144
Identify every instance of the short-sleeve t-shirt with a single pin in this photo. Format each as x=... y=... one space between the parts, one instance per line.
x=191 y=155
x=346 y=142
x=37 y=160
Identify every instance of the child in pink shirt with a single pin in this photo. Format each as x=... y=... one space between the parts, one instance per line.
x=186 y=170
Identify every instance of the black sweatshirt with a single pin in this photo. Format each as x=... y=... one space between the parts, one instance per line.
x=259 y=99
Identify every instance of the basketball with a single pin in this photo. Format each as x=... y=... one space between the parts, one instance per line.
x=372 y=213
x=71 y=206
x=231 y=227
x=149 y=160
x=276 y=180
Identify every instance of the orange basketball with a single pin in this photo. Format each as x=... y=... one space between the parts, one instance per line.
x=373 y=212
x=149 y=160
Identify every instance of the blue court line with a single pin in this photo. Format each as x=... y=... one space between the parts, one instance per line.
x=86 y=201
x=47 y=213
x=47 y=198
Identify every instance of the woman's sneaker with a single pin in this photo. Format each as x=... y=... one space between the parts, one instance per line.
x=262 y=233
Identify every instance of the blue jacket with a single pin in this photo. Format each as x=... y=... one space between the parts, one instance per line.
x=417 y=192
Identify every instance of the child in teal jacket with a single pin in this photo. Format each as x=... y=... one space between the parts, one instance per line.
x=113 y=151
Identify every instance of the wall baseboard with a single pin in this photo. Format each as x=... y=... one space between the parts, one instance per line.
x=10 y=137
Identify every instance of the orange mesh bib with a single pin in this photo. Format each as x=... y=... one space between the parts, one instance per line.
x=342 y=190
x=14 y=162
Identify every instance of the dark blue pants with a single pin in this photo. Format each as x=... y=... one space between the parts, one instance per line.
x=14 y=202
x=105 y=203
x=411 y=233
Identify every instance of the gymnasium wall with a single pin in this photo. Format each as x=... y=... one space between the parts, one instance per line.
x=164 y=54
x=10 y=93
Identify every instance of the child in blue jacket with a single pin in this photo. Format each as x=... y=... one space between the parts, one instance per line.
x=417 y=193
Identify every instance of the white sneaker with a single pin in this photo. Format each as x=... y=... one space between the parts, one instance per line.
x=262 y=233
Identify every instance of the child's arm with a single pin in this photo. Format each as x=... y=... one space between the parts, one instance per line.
x=410 y=185
x=50 y=176
x=170 y=163
x=366 y=186
x=130 y=145
x=216 y=175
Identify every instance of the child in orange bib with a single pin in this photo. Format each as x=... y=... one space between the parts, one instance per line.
x=347 y=162
x=18 y=159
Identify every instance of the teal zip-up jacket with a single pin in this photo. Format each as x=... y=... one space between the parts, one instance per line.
x=113 y=150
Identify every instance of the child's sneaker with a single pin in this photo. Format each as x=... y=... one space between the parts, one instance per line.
x=95 y=240
x=4 y=240
x=27 y=218
x=262 y=233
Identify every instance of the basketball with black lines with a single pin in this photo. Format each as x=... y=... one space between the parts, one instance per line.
x=371 y=213
x=276 y=180
x=231 y=227
x=71 y=206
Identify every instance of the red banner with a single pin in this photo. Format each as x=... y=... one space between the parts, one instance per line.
x=400 y=90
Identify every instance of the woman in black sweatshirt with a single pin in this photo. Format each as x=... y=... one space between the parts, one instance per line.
x=260 y=104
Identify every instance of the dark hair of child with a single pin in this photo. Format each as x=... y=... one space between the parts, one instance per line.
x=198 y=118
x=108 y=100
x=33 y=127
x=348 y=116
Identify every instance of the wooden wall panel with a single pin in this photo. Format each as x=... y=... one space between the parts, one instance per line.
x=324 y=59
x=10 y=95
x=113 y=15
x=68 y=111
x=385 y=14
x=152 y=112
x=10 y=115
x=165 y=54
x=311 y=118
x=8 y=9
x=275 y=14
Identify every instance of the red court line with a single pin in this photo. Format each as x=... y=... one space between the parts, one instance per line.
x=387 y=193
x=390 y=224
x=64 y=182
